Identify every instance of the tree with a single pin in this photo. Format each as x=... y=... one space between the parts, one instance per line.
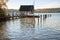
x=3 y=7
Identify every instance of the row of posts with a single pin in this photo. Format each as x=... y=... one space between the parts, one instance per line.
x=13 y=15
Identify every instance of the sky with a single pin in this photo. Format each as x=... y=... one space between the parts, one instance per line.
x=38 y=4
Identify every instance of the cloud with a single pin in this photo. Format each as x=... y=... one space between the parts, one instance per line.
x=14 y=4
x=50 y=5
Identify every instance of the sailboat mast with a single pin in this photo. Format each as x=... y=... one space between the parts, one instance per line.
x=34 y=2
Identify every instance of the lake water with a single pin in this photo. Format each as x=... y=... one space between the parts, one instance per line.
x=43 y=28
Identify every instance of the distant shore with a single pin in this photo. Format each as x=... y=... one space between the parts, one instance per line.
x=46 y=10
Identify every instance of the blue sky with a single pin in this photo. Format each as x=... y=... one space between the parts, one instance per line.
x=15 y=4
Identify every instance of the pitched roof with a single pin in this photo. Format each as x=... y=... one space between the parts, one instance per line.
x=26 y=8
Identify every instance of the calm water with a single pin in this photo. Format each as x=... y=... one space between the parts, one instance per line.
x=43 y=28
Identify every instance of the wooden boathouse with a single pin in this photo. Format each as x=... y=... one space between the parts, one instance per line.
x=27 y=11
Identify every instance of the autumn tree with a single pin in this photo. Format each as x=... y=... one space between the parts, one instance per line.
x=3 y=7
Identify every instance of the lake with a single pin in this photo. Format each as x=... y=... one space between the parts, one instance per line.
x=46 y=27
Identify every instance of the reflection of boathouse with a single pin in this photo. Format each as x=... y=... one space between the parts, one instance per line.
x=27 y=21
x=26 y=10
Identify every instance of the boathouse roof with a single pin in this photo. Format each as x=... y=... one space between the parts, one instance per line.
x=26 y=8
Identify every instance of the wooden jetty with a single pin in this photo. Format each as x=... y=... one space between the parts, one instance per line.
x=29 y=16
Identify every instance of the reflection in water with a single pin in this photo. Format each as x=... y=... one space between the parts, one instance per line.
x=31 y=28
x=3 y=31
x=27 y=21
x=46 y=15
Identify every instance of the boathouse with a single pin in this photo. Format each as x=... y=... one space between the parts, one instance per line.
x=26 y=10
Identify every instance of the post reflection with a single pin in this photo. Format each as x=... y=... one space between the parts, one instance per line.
x=45 y=17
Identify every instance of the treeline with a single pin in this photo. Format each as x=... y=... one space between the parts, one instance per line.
x=48 y=10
